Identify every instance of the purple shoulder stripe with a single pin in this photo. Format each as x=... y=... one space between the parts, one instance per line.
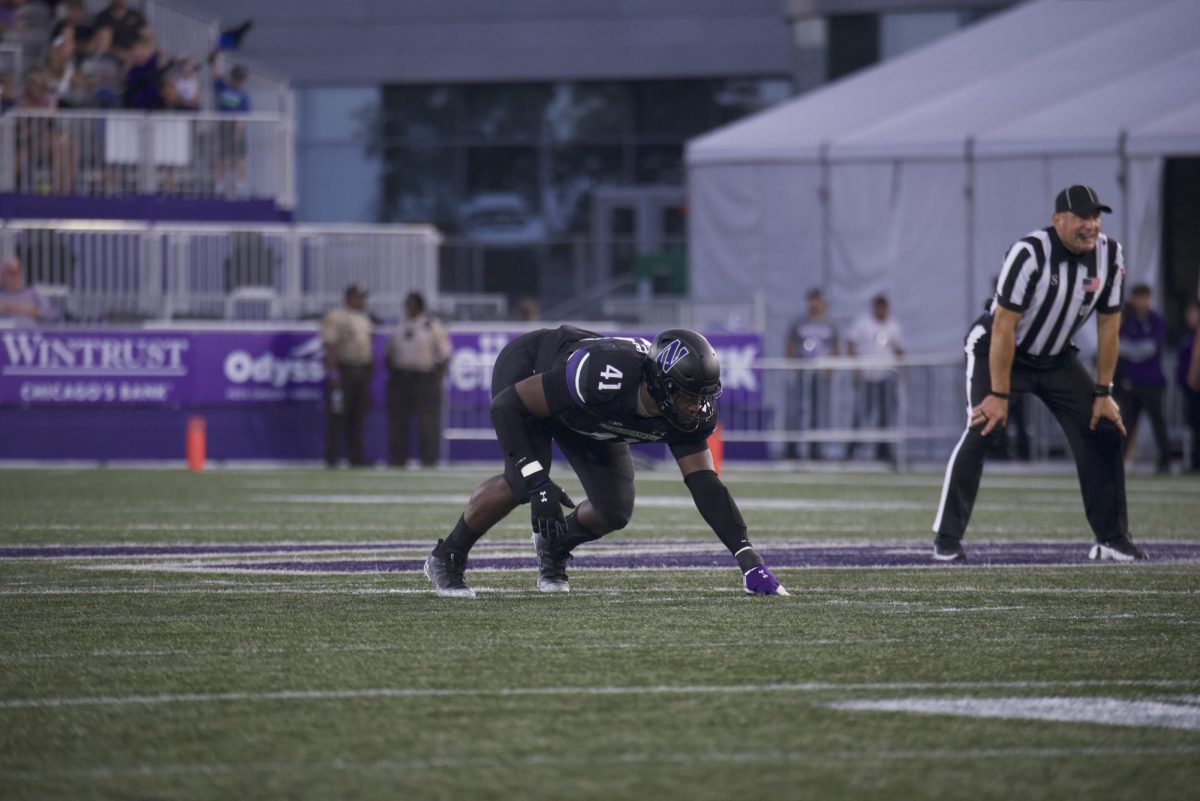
x=574 y=369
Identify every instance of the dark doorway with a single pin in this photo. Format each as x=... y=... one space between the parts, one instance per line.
x=1181 y=240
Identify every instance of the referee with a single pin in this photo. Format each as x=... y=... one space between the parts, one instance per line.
x=1051 y=283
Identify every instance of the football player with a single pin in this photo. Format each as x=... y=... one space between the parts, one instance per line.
x=594 y=396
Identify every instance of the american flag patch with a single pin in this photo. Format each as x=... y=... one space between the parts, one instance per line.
x=1091 y=284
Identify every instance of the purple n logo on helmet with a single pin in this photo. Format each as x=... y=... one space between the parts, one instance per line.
x=671 y=355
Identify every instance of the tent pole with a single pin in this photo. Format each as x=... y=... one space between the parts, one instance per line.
x=969 y=192
x=826 y=195
x=1123 y=182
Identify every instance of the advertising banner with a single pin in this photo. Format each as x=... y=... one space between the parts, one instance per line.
x=217 y=368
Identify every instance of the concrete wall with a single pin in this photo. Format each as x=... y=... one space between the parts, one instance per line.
x=370 y=42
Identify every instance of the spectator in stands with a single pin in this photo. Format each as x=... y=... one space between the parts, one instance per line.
x=876 y=336
x=810 y=337
x=1187 y=375
x=186 y=85
x=71 y=88
x=230 y=97
x=74 y=19
x=118 y=29
x=143 y=81
x=21 y=305
x=35 y=135
x=349 y=363
x=418 y=353
x=8 y=14
x=1140 y=378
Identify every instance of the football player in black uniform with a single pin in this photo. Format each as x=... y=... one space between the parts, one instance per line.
x=594 y=396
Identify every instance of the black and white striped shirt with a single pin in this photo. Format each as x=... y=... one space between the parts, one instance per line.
x=1056 y=291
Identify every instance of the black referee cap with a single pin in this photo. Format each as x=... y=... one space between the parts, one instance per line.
x=1081 y=200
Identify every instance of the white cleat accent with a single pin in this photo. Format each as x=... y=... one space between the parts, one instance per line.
x=442 y=590
x=548 y=585
x=1103 y=553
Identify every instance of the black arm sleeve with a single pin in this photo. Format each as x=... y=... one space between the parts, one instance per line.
x=718 y=509
x=510 y=418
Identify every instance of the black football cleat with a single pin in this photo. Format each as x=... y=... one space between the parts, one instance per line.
x=444 y=568
x=948 y=550
x=552 y=566
x=1120 y=550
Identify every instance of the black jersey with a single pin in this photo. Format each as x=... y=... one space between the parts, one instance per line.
x=593 y=387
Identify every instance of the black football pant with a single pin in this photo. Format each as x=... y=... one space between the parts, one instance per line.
x=347 y=425
x=1191 y=407
x=1066 y=389
x=414 y=393
x=1134 y=400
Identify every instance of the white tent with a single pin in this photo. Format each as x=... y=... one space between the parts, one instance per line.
x=913 y=177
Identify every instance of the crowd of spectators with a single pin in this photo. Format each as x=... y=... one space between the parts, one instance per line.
x=110 y=60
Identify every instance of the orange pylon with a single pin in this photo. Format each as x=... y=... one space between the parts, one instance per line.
x=716 y=446
x=195 y=444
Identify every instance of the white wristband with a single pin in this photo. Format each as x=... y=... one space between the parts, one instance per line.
x=531 y=468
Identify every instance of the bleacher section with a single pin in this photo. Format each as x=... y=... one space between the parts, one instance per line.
x=70 y=137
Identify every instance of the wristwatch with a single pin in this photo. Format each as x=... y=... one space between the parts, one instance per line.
x=1102 y=390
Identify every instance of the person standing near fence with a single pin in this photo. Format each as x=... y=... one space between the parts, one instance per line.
x=810 y=337
x=418 y=353
x=1187 y=375
x=1141 y=380
x=1052 y=281
x=20 y=305
x=349 y=364
x=876 y=336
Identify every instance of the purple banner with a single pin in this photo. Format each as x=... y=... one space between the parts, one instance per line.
x=77 y=368
x=239 y=368
x=470 y=374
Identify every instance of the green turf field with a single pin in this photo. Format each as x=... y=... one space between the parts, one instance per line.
x=157 y=675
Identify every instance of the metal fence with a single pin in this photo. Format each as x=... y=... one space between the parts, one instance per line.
x=101 y=272
x=114 y=154
x=856 y=410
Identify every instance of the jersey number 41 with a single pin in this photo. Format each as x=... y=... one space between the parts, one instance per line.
x=610 y=373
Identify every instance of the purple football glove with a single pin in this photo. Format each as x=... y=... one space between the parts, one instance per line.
x=759 y=581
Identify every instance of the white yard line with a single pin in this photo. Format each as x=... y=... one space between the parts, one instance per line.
x=510 y=692
x=1106 y=711
x=477 y=761
x=656 y=645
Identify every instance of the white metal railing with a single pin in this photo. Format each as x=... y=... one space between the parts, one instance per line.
x=100 y=272
x=841 y=409
x=114 y=154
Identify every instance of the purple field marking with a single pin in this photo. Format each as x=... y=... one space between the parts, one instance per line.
x=778 y=556
x=233 y=549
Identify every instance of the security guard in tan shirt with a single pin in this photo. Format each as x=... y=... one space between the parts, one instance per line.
x=349 y=364
x=418 y=352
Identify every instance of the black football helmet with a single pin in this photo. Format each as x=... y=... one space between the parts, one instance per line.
x=683 y=364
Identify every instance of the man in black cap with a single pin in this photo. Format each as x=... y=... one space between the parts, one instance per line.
x=349 y=362
x=1051 y=283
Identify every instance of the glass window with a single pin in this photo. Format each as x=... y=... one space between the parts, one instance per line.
x=659 y=164
x=595 y=113
x=574 y=173
x=504 y=113
x=673 y=110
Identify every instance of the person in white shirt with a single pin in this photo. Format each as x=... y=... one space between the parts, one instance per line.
x=876 y=336
x=418 y=353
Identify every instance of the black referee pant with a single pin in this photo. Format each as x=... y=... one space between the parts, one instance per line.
x=1065 y=387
